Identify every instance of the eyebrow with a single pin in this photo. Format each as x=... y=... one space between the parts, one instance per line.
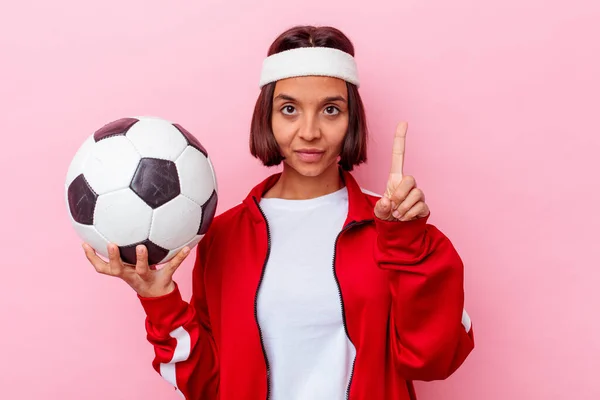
x=329 y=99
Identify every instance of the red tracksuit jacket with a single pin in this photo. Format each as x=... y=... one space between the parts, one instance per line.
x=400 y=284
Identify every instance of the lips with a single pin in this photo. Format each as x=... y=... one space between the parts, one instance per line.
x=310 y=155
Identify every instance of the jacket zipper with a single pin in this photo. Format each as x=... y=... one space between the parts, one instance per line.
x=262 y=274
x=351 y=224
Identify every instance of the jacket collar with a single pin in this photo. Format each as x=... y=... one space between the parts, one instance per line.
x=359 y=206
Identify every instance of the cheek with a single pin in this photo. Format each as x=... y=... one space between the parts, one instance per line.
x=281 y=131
x=338 y=132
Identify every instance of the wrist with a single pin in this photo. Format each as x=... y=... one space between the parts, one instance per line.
x=154 y=292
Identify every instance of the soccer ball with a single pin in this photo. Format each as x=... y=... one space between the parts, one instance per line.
x=142 y=180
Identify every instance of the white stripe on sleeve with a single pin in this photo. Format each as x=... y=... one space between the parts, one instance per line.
x=466 y=320
x=181 y=353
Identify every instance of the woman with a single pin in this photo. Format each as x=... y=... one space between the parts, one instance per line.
x=311 y=288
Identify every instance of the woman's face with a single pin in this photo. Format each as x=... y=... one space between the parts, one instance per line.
x=309 y=121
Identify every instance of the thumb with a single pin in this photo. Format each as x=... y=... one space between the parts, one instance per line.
x=383 y=208
x=176 y=261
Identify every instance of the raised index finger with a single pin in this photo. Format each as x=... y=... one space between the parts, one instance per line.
x=398 y=149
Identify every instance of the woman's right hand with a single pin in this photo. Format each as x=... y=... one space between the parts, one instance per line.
x=146 y=280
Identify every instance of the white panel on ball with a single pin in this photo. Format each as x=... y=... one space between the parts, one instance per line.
x=122 y=217
x=175 y=223
x=91 y=236
x=79 y=159
x=191 y=244
x=111 y=164
x=214 y=175
x=196 y=178
x=157 y=138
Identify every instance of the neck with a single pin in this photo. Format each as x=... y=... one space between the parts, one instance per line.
x=294 y=186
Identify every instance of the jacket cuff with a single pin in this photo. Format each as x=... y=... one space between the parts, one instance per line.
x=160 y=310
x=401 y=242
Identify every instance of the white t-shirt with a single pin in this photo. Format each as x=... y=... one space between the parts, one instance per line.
x=299 y=305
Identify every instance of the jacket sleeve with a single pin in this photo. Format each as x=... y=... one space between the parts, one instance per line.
x=430 y=332
x=184 y=348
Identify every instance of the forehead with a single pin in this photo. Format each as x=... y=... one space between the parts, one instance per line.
x=307 y=88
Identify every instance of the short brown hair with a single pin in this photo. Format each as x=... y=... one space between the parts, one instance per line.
x=262 y=142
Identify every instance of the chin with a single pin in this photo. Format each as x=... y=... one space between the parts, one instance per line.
x=311 y=170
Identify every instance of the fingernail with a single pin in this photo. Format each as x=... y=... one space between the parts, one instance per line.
x=186 y=250
x=139 y=250
x=396 y=214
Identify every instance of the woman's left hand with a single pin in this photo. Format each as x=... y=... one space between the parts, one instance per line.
x=402 y=200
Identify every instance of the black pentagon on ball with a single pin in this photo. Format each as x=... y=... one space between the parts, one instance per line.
x=208 y=213
x=82 y=200
x=191 y=139
x=156 y=181
x=155 y=252
x=114 y=128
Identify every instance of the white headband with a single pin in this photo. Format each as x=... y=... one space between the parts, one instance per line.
x=309 y=61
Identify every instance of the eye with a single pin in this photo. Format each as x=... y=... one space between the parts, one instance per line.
x=288 y=110
x=331 y=110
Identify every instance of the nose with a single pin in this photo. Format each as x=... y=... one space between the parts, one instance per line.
x=309 y=128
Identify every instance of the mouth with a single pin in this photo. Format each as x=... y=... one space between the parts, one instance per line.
x=310 y=155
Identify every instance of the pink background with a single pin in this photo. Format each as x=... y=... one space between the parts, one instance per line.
x=502 y=103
